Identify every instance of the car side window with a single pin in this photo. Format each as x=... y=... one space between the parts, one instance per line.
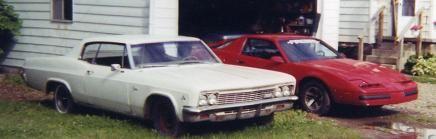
x=260 y=48
x=90 y=52
x=106 y=54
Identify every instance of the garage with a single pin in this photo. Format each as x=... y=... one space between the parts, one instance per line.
x=201 y=18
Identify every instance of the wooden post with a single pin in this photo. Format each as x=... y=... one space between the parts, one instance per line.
x=400 y=60
x=395 y=5
x=419 y=38
x=381 y=23
x=360 y=49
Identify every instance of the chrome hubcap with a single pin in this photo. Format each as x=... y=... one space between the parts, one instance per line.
x=313 y=98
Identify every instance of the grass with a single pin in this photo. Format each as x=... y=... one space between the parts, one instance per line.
x=425 y=79
x=39 y=120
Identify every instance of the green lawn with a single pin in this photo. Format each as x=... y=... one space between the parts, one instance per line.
x=39 y=120
x=425 y=79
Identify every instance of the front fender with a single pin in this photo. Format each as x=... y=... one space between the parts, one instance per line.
x=59 y=81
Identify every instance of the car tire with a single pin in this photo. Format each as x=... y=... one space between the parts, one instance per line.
x=165 y=120
x=63 y=101
x=264 y=120
x=315 y=98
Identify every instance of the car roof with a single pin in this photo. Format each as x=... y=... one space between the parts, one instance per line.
x=277 y=36
x=139 y=39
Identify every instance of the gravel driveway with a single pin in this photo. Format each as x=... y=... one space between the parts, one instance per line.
x=426 y=103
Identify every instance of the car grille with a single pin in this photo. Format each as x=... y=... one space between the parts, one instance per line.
x=241 y=97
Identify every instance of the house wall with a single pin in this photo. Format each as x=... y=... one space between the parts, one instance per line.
x=40 y=37
x=329 y=23
x=355 y=19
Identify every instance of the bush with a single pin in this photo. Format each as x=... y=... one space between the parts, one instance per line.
x=10 y=24
x=425 y=67
x=413 y=60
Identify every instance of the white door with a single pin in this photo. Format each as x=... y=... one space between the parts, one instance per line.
x=406 y=13
x=105 y=88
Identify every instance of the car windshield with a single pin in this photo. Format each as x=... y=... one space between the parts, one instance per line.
x=306 y=50
x=171 y=53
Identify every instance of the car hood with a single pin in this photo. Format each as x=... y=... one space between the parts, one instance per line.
x=211 y=77
x=357 y=70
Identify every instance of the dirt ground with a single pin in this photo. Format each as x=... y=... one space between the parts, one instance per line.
x=408 y=120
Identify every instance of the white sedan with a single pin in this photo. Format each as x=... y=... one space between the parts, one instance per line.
x=171 y=80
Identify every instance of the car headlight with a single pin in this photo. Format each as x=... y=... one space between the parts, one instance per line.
x=203 y=100
x=278 y=92
x=212 y=99
x=285 y=90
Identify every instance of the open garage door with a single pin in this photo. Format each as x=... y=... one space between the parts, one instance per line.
x=201 y=18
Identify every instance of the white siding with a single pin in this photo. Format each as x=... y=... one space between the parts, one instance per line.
x=164 y=17
x=329 y=23
x=355 y=17
x=42 y=37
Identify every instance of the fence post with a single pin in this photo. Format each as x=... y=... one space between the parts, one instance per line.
x=380 y=29
x=360 y=49
x=419 y=38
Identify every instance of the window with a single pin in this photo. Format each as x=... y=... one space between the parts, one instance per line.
x=260 y=48
x=62 y=10
x=106 y=54
x=169 y=53
x=306 y=50
x=408 y=7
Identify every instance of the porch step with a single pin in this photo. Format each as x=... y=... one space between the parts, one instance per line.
x=394 y=67
x=385 y=53
x=382 y=60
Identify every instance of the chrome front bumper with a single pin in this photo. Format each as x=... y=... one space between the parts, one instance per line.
x=229 y=112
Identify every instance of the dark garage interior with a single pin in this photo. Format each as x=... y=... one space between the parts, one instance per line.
x=201 y=18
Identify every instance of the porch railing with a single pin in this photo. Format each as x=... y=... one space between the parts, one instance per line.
x=378 y=16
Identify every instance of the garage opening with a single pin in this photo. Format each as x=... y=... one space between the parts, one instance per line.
x=202 y=18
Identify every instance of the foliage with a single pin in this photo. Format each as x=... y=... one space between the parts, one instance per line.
x=425 y=67
x=10 y=24
x=39 y=120
x=413 y=60
x=425 y=79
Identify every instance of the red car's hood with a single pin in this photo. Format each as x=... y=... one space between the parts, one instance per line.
x=352 y=70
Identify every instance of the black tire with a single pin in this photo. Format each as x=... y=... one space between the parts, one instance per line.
x=264 y=120
x=165 y=120
x=314 y=98
x=63 y=101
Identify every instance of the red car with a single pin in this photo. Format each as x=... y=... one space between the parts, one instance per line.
x=324 y=77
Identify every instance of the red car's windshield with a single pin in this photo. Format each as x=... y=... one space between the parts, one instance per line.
x=308 y=49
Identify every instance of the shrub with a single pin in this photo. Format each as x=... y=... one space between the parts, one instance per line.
x=10 y=24
x=425 y=67
x=412 y=60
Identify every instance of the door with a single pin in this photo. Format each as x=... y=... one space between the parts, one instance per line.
x=406 y=13
x=106 y=88
x=260 y=53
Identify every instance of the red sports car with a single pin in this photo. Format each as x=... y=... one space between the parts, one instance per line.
x=324 y=77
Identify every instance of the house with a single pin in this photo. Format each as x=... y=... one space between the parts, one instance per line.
x=361 y=18
x=53 y=27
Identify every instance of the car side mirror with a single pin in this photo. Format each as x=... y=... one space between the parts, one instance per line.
x=278 y=59
x=115 y=67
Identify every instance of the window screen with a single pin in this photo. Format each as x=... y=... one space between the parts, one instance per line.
x=62 y=9
x=408 y=7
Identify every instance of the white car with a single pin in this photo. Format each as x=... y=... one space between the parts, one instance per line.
x=171 y=80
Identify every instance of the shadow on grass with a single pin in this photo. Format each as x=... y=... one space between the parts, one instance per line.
x=194 y=129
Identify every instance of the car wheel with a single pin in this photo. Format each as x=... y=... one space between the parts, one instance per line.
x=264 y=120
x=63 y=101
x=314 y=98
x=165 y=120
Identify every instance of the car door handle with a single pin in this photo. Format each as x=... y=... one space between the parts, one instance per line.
x=240 y=62
x=89 y=72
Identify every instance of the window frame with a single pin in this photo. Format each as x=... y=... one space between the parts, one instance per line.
x=403 y=8
x=63 y=9
x=126 y=49
x=272 y=42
